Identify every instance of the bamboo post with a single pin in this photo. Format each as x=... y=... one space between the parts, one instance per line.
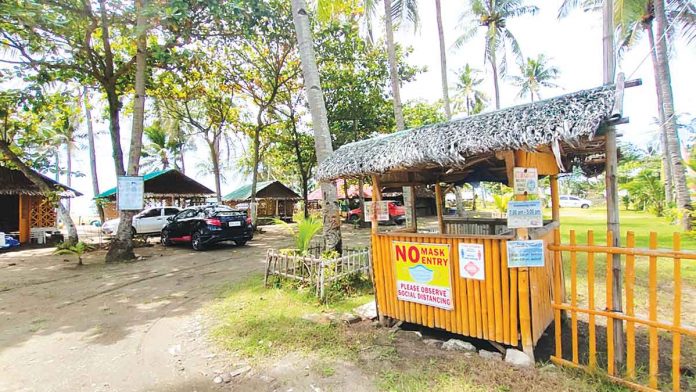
x=377 y=196
x=438 y=207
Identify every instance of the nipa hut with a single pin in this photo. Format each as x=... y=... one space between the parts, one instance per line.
x=467 y=283
x=162 y=187
x=273 y=198
x=25 y=211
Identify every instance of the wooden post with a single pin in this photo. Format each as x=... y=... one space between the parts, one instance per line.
x=361 y=196
x=376 y=197
x=438 y=207
x=609 y=70
x=410 y=207
x=555 y=199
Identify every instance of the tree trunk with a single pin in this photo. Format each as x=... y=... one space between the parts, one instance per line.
x=443 y=60
x=214 y=147
x=393 y=68
x=45 y=189
x=664 y=79
x=320 y=123
x=666 y=161
x=496 y=87
x=255 y=172
x=181 y=158
x=68 y=164
x=361 y=195
x=92 y=152
x=121 y=247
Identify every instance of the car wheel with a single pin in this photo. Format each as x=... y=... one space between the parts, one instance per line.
x=133 y=232
x=240 y=243
x=164 y=238
x=353 y=218
x=196 y=242
x=585 y=206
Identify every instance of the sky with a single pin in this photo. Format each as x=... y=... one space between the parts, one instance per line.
x=573 y=44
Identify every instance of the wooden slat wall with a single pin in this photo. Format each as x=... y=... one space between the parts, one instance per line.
x=482 y=309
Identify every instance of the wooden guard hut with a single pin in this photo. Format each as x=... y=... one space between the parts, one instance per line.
x=275 y=200
x=25 y=206
x=162 y=187
x=509 y=306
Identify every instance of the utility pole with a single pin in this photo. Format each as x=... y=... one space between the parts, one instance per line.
x=612 y=191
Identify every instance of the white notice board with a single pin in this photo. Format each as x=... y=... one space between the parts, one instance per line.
x=130 y=193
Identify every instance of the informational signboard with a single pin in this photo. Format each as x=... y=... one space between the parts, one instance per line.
x=471 y=261
x=423 y=273
x=382 y=211
x=526 y=181
x=130 y=193
x=524 y=214
x=525 y=253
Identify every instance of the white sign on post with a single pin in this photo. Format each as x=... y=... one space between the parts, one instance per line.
x=526 y=180
x=130 y=193
x=523 y=214
x=471 y=262
x=382 y=211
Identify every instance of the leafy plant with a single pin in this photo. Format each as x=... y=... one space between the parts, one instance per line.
x=304 y=232
x=78 y=250
x=501 y=202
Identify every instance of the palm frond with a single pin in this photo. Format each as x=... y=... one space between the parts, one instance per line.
x=406 y=11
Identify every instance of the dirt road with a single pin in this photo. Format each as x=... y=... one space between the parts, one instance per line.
x=123 y=327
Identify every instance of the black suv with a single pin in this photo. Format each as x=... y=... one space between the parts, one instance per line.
x=206 y=225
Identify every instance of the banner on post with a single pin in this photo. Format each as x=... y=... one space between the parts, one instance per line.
x=526 y=180
x=525 y=253
x=423 y=273
x=523 y=214
x=382 y=210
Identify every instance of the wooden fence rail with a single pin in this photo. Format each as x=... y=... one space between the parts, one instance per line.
x=633 y=315
x=316 y=271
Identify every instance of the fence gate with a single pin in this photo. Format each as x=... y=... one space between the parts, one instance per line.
x=659 y=334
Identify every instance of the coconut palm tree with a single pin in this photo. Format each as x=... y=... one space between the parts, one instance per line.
x=443 y=60
x=633 y=18
x=534 y=74
x=160 y=149
x=91 y=149
x=468 y=97
x=493 y=15
x=397 y=13
x=320 y=122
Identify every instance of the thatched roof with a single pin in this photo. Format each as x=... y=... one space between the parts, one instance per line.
x=264 y=190
x=14 y=182
x=567 y=124
x=166 y=183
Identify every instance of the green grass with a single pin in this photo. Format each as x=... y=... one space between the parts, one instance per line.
x=641 y=223
x=258 y=322
x=264 y=324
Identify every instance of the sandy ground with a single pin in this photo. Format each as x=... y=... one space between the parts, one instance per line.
x=124 y=327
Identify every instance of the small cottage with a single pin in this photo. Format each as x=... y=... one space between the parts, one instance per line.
x=275 y=199
x=25 y=210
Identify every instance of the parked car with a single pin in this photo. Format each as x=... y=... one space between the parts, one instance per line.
x=206 y=225
x=149 y=221
x=397 y=214
x=574 y=201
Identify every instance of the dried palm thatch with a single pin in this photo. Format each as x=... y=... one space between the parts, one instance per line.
x=568 y=121
x=14 y=182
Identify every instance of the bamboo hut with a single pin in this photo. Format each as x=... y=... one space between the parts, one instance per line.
x=25 y=208
x=275 y=200
x=494 y=299
x=162 y=187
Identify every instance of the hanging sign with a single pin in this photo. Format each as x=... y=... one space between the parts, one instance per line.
x=471 y=261
x=525 y=253
x=382 y=210
x=423 y=273
x=526 y=181
x=522 y=214
x=130 y=193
